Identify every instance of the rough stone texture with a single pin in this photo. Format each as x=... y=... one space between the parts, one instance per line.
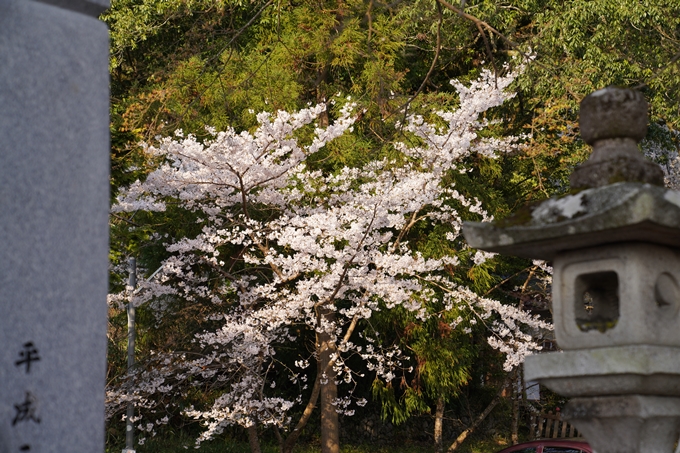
x=53 y=228
x=616 y=169
x=631 y=310
x=615 y=213
x=627 y=424
x=611 y=113
x=613 y=120
x=618 y=370
x=624 y=398
x=89 y=7
x=619 y=198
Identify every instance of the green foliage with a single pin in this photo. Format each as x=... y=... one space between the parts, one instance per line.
x=582 y=46
x=190 y=63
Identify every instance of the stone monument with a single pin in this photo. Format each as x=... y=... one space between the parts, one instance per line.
x=615 y=246
x=54 y=199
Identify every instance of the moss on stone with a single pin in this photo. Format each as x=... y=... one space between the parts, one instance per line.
x=520 y=217
x=600 y=325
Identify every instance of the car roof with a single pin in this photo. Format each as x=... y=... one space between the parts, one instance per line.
x=573 y=443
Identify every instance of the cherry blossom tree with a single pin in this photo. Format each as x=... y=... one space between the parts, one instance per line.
x=661 y=146
x=287 y=254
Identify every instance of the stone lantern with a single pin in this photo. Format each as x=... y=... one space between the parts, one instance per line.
x=614 y=242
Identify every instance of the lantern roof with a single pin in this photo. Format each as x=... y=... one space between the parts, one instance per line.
x=614 y=213
x=617 y=195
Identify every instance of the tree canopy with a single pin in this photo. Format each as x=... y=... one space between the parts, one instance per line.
x=335 y=148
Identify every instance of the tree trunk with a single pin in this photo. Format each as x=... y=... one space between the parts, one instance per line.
x=289 y=443
x=514 y=436
x=330 y=425
x=462 y=436
x=253 y=440
x=438 y=422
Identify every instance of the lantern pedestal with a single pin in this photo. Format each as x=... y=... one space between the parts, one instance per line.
x=627 y=424
x=625 y=399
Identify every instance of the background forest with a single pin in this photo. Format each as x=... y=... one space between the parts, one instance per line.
x=330 y=184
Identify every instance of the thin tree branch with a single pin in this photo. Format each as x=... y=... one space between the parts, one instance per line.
x=488 y=52
x=658 y=72
x=462 y=436
x=309 y=409
x=508 y=279
x=478 y=22
x=437 y=49
x=124 y=219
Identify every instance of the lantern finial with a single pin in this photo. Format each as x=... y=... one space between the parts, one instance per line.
x=613 y=120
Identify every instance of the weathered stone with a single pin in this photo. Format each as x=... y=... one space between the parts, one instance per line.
x=613 y=120
x=54 y=196
x=617 y=201
x=611 y=214
x=624 y=398
x=617 y=370
x=616 y=169
x=91 y=8
x=612 y=113
x=605 y=296
x=627 y=424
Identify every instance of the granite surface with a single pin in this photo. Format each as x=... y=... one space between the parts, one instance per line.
x=91 y=8
x=618 y=370
x=54 y=197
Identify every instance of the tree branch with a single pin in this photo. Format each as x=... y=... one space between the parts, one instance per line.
x=462 y=436
x=478 y=22
x=437 y=49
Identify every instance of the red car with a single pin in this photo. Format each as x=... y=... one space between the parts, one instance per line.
x=550 y=446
